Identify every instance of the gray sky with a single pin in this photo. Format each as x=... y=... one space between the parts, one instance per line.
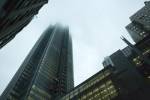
x=95 y=25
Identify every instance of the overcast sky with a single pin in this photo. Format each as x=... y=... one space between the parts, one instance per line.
x=95 y=26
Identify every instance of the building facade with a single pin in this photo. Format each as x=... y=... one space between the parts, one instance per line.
x=143 y=64
x=47 y=72
x=120 y=79
x=131 y=83
x=139 y=55
x=98 y=87
x=15 y=15
x=136 y=32
x=139 y=27
x=139 y=30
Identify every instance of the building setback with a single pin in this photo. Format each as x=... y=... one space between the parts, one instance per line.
x=139 y=27
x=142 y=16
x=136 y=32
x=15 y=15
x=47 y=72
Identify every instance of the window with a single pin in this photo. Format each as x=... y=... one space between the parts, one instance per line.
x=137 y=61
x=107 y=72
x=39 y=92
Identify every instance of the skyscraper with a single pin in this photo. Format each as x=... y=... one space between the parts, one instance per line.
x=47 y=72
x=15 y=15
x=139 y=27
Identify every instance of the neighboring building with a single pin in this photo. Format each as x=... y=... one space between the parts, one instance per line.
x=119 y=80
x=142 y=16
x=127 y=51
x=98 y=87
x=136 y=32
x=139 y=27
x=139 y=55
x=142 y=65
x=131 y=83
x=47 y=71
x=15 y=15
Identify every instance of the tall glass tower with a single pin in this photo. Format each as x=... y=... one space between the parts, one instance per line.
x=47 y=71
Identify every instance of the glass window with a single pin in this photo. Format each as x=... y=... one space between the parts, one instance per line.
x=137 y=61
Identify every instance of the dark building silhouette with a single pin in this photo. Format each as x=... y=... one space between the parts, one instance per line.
x=47 y=72
x=142 y=64
x=141 y=59
x=139 y=27
x=131 y=83
x=15 y=15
